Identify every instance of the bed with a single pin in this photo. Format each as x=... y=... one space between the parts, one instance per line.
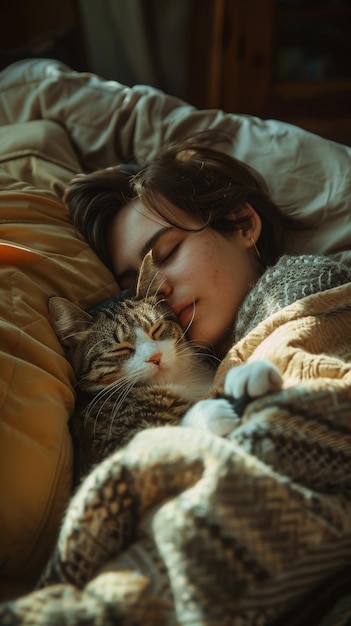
x=222 y=533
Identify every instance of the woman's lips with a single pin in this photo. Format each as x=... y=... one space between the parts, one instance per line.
x=186 y=314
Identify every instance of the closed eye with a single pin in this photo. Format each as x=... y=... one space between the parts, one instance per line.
x=167 y=245
x=123 y=349
x=155 y=331
x=168 y=255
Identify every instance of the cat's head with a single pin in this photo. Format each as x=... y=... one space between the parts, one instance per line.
x=136 y=338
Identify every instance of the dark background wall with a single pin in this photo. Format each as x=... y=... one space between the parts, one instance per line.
x=286 y=59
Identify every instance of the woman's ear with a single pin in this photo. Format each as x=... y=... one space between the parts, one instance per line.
x=252 y=229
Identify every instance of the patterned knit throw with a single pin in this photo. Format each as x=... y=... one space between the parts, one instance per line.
x=289 y=280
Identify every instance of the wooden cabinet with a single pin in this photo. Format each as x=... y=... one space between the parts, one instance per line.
x=282 y=59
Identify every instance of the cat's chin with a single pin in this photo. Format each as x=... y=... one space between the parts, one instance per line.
x=191 y=383
x=167 y=375
x=161 y=376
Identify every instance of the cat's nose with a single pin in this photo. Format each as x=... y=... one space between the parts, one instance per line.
x=154 y=358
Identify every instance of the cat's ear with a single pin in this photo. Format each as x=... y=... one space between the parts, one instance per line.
x=69 y=321
x=147 y=284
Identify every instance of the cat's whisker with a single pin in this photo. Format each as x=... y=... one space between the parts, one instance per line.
x=184 y=358
x=120 y=401
x=118 y=405
x=183 y=336
x=128 y=383
x=194 y=351
x=100 y=395
x=75 y=334
x=113 y=387
x=192 y=317
x=159 y=289
x=80 y=334
x=212 y=357
x=160 y=301
x=106 y=394
x=83 y=379
x=205 y=353
x=84 y=322
x=151 y=284
x=93 y=347
x=205 y=347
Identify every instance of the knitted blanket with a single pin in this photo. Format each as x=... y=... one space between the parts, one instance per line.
x=185 y=528
x=290 y=279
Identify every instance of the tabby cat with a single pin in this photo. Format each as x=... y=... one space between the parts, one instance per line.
x=133 y=365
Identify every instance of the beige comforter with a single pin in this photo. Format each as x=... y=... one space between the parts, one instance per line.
x=182 y=527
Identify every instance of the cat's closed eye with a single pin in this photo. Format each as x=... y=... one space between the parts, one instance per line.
x=124 y=349
x=157 y=330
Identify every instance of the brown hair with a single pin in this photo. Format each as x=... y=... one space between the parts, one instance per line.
x=205 y=183
x=94 y=199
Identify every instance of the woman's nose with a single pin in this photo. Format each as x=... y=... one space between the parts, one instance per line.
x=164 y=286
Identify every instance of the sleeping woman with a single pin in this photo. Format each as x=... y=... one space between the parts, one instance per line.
x=218 y=242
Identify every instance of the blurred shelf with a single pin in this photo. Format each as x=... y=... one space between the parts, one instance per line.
x=289 y=60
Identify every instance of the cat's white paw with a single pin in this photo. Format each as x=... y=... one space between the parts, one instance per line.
x=216 y=416
x=253 y=379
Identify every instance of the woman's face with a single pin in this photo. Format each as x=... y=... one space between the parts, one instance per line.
x=205 y=275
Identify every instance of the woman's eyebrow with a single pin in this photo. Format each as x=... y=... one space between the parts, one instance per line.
x=128 y=274
x=154 y=239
